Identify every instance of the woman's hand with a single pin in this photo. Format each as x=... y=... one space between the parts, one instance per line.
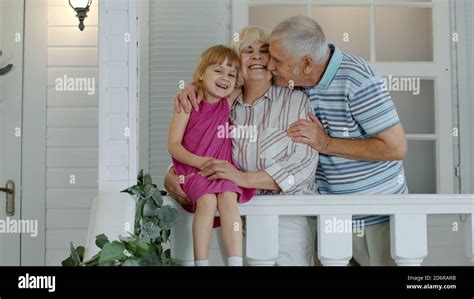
x=215 y=169
x=174 y=188
x=187 y=97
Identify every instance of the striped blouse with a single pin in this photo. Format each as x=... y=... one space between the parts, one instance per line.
x=260 y=141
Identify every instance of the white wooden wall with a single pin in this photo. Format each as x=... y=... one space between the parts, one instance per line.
x=72 y=126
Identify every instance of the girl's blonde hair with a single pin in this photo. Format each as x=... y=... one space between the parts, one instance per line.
x=249 y=35
x=216 y=55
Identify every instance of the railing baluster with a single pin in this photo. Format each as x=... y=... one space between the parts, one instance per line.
x=182 y=239
x=469 y=240
x=408 y=239
x=261 y=233
x=334 y=244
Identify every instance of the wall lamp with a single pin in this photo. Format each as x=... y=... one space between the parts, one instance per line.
x=82 y=8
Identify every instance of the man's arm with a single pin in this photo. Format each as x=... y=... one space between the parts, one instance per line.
x=389 y=145
x=387 y=138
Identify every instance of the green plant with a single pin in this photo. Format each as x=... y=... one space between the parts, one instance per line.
x=145 y=246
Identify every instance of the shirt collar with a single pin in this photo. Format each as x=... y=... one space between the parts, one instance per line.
x=331 y=69
x=269 y=94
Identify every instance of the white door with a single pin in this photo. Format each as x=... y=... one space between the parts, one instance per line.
x=11 y=78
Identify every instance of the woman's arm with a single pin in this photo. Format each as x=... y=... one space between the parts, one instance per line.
x=221 y=169
x=174 y=188
x=187 y=98
x=175 y=137
x=259 y=180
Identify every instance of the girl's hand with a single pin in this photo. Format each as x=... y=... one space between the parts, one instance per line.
x=215 y=169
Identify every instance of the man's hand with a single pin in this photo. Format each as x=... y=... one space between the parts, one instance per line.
x=187 y=97
x=215 y=169
x=174 y=188
x=310 y=132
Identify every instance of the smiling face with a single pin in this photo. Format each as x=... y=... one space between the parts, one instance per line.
x=283 y=66
x=219 y=80
x=254 y=61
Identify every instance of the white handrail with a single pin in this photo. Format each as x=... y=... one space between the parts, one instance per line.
x=355 y=204
x=113 y=214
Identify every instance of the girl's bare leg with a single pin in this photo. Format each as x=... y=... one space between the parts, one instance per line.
x=231 y=223
x=202 y=225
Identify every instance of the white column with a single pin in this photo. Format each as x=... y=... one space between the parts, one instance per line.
x=261 y=240
x=408 y=239
x=118 y=100
x=469 y=241
x=181 y=237
x=334 y=239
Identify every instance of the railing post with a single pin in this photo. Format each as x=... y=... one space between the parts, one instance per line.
x=261 y=240
x=334 y=239
x=469 y=240
x=408 y=239
x=182 y=251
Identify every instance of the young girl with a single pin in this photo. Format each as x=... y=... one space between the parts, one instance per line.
x=196 y=137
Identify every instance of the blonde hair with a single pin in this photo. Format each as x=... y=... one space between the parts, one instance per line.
x=216 y=55
x=249 y=35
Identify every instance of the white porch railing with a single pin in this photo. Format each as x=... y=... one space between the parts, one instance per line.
x=408 y=225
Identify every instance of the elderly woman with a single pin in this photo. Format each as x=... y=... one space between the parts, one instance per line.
x=271 y=162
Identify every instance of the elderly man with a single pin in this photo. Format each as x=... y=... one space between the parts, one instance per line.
x=355 y=129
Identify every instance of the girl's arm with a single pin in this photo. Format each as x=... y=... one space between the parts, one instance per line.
x=178 y=125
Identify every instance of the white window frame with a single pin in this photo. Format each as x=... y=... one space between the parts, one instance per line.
x=438 y=70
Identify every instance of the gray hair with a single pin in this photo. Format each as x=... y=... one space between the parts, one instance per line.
x=301 y=36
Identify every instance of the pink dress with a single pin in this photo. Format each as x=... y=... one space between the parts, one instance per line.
x=207 y=135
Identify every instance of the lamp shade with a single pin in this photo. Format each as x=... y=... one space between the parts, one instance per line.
x=80 y=3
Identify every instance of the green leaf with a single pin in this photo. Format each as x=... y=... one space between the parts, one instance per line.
x=140 y=177
x=75 y=255
x=151 y=260
x=80 y=251
x=111 y=252
x=127 y=239
x=148 y=191
x=133 y=190
x=157 y=199
x=101 y=240
x=152 y=229
x=130 y=263
x=69 y=262
x=147 y=179
x=94 y=261
x=167 y=217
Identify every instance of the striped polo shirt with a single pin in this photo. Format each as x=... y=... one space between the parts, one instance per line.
x=352 y=102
